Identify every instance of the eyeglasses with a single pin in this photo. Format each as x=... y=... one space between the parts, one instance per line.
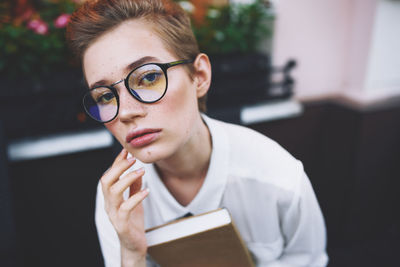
x=147 y=83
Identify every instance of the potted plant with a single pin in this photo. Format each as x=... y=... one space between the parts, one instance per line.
x=232 y=35
x=40 y=85
x=32 y=39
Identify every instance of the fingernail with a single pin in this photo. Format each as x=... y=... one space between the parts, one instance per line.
x=131 y=159
x=140 y=170
x=146 y=190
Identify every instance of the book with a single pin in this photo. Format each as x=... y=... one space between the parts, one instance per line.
x=209 y=239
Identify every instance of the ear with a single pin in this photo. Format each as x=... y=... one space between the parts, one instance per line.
x=202 y=75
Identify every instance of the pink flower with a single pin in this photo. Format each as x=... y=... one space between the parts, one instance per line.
x=42 y=29
x=33 y=24
x=38 y=26
x=62 y=21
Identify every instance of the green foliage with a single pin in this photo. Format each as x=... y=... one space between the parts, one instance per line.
x=235 y=28
x=24 y=53
x=27 y=54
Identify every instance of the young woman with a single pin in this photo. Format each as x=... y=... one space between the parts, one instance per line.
x=148 y=83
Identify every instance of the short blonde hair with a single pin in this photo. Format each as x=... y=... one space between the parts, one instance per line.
x=168 y=20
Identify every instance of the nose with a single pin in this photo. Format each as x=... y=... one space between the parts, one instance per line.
x=129 y=107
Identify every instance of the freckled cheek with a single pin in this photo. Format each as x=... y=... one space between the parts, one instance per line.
x=180 y=95
x=177 y=112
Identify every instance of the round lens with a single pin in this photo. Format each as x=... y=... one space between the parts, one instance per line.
x=147 y=83
x=101 y=104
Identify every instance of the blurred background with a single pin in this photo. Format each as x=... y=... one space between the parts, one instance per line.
x=321 y=77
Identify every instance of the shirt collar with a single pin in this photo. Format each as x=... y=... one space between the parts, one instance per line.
x=210 y=194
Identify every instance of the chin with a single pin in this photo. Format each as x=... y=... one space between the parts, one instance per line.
x=150 y=155
x=147 y=160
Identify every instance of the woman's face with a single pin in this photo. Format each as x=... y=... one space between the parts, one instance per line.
x=150 y=132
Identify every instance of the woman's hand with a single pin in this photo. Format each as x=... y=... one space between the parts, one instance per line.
x=126 y=215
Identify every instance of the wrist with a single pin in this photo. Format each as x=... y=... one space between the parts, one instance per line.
x=132 y=258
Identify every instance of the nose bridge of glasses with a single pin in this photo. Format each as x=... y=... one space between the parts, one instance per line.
x=117 y=82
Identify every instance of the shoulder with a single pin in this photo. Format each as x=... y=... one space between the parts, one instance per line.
x=255 y=156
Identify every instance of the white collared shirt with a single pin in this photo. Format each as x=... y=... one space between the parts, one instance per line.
x=264 y=188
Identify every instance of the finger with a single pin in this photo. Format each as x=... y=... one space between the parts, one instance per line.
x=122 y=155
x=113 y=174
x=119 y=187
x=128 y=205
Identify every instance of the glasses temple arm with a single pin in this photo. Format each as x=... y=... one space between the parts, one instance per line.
x=179 y=62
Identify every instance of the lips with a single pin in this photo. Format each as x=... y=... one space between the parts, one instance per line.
x=142 y=137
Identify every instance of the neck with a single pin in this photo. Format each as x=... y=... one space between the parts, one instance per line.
x=191 y=162
x=183 y=173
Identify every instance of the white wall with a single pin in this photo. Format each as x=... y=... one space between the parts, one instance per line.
x=345 y=47
x=315 y=33
x=383 y=72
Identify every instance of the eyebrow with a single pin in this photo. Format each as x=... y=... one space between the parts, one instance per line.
x=129 y=67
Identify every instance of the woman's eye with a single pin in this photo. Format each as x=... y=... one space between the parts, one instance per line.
x=149 y=78
x=105 y=98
